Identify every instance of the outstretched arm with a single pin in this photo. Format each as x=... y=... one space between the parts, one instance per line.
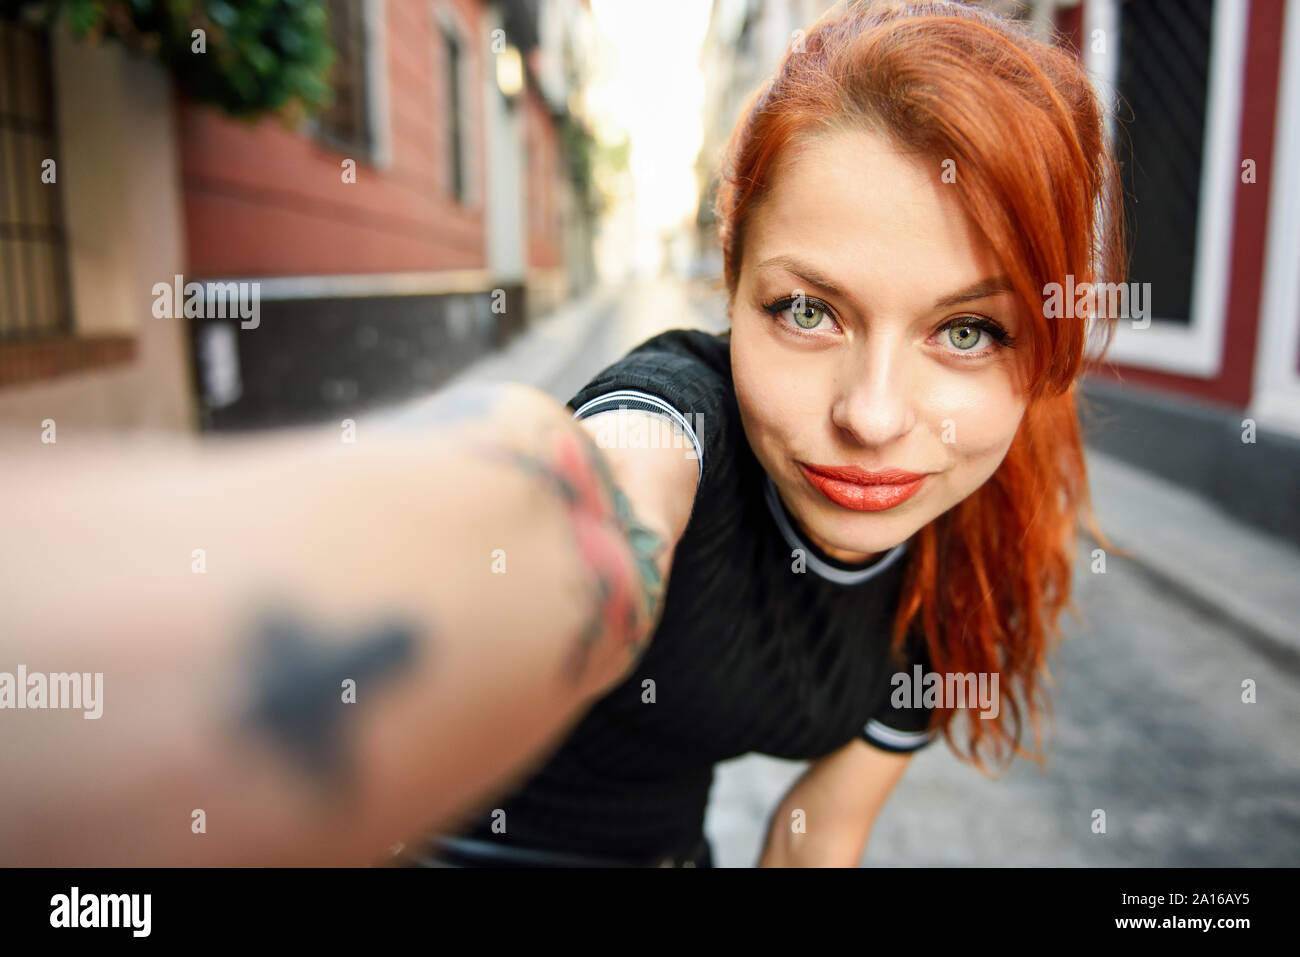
x=310 y=650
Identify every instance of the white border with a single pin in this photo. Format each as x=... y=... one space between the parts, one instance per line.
x=1276 y=400
x=1195 y=349
x=1103 y=65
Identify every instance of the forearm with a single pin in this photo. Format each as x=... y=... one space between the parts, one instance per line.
x=826 y=817
x=817 y=846
x=380 y=563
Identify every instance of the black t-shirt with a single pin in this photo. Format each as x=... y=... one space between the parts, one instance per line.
x=766 y=643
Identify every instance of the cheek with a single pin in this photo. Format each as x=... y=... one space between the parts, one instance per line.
x=767 y=393
x=976 y=416
x=781 y=390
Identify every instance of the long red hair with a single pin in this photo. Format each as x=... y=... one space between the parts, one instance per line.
x=1019 y=119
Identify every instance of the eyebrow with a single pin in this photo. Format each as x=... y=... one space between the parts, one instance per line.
x=992 y=286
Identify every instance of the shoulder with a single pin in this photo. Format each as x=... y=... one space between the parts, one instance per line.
x=688 y=369
x=682 y=375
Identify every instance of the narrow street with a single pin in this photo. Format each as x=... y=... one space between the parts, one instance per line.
x=646 y=308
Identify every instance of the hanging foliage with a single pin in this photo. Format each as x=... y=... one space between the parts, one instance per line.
x=248 y=57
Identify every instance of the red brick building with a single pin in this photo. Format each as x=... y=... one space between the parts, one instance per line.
x=407 y=230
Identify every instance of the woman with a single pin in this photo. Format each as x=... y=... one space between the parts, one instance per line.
x=534 y=631
x=889 y=445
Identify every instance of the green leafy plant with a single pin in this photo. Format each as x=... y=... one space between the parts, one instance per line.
x=257 y=56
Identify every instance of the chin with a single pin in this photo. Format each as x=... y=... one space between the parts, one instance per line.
x=866 y=533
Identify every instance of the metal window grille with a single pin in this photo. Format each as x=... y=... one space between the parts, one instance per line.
x=34 y=303
x=346 y=123
x=1164 y=73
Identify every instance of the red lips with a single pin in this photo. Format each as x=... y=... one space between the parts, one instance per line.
x=850 y=473
x=863 y=491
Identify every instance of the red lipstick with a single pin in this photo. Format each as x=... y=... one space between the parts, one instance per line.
x=863 y=491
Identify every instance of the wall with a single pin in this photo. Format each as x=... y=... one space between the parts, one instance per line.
x=264 y=200
x=118 y=173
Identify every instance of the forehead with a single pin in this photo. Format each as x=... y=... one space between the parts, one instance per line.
x=877 y=219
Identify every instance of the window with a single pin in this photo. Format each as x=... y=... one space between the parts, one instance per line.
x=1178 y=69
x=346 y=124
x=455 y=113
x=1164 y=70
x=33 y=260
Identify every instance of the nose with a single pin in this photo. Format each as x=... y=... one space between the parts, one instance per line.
x=873 y=399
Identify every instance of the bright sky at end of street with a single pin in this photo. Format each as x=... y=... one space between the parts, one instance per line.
x=654 y=91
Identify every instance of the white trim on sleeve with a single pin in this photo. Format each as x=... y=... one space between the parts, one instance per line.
x=892 y=737
x=636 y=399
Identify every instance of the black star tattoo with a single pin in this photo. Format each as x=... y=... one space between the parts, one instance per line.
x=297 y=696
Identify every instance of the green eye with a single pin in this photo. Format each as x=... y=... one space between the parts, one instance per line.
x=964 y=335
x=809 y=317
x=801 y=312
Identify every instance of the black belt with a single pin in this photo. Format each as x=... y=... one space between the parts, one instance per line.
x=457 y=851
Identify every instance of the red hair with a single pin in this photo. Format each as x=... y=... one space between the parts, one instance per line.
x=1034 y=172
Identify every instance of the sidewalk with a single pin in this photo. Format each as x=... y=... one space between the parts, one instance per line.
x=536 y=357
x=1216 y=563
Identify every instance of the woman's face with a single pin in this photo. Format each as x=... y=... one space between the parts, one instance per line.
x=852 y=342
